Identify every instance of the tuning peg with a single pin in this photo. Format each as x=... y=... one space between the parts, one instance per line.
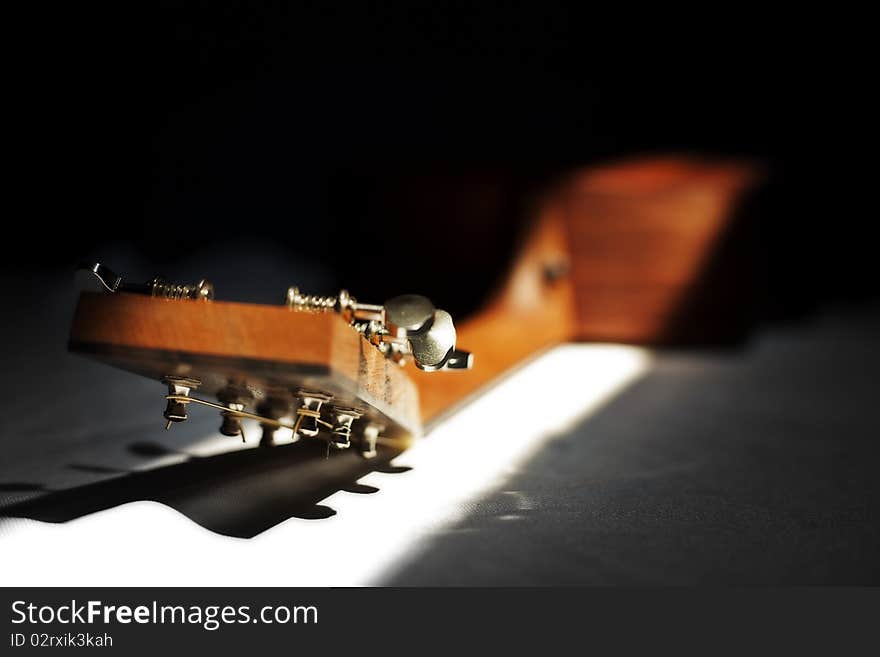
x=309 y=412
x=408 y=313
x=434 y=349
x=368 y=440
x=343 y=416
x=273 y=407
x=235 y=398
x=343 y=303
x=405 y=325
x=175 y=410
x=430 y=333
x=98 y=277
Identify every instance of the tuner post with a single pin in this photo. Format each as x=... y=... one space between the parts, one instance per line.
x=175 y=409
x=201 y=291
x=235 y=398
x=343 y=417
x=272 y=408
x=308 y=415
x=369 y=438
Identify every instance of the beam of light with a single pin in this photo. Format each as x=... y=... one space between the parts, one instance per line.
x=469 y=455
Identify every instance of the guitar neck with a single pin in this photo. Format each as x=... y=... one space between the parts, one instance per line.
x=619 y=254
x=534 y=311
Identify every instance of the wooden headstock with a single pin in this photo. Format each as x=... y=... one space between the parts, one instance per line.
x=267 y=358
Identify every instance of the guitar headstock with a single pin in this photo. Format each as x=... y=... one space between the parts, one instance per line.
x=327 y=368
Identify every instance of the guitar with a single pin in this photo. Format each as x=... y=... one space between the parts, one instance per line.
x=615 y=253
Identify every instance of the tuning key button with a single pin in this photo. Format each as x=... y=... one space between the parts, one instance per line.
x=406 y=326
x=431 y=348
x=408 y=313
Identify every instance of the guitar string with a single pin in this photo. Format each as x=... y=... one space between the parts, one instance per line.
x=301 y=413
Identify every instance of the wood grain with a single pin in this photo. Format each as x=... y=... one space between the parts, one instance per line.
x=265 y=347
x=634 y=237
x=642 y=236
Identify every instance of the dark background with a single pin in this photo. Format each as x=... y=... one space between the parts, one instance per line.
x=173 y=134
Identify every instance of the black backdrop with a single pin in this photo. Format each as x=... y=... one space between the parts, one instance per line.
x=178 y=130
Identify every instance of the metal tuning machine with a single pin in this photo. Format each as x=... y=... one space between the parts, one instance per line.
x=407 y=326
x=315 y=416
x=90 y=275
